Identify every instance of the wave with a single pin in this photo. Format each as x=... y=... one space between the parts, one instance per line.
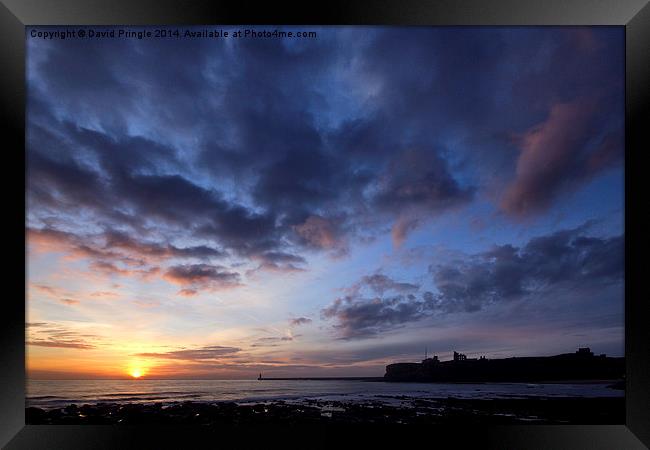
x=215 y=392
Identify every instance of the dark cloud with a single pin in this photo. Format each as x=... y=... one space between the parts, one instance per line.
x=565 y=260
x=46 y=334
x=545 y=267
x=265 y=148
x=362 y=317
x=359 y=315
x=322 y=233
x=113 y=252
x=117 y=193
x=109 y=268
x=301 y=181
x=484 y=86
x=279 y=262
x=379 y=284
x=202 y=276
x=118 y=240
x=273 y=341
x=302 y=186
x=417 y=185
x=116 y=246
x=213 y=352
x=418 y=179
x=299 y=321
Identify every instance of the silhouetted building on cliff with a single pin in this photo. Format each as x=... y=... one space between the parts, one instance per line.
x=585 y=351
x=459 y=357
x=581 y=365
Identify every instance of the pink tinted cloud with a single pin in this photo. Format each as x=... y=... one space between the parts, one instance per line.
x=75 y=247
x=187 y=292
x=555 y=155
x=321 y=233
x=69 y=301
x=103 y=294
x=402 y=228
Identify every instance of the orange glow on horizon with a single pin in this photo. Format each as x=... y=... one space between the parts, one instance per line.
x=137 y=369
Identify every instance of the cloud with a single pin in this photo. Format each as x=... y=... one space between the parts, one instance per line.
x=119 y=240
x=50 y=239
x=104 y=294
x=69 y=301
x=301 y=189
x=420 y=180
x=273 y=341
x=248 y=164
x=109 y=268
x=61 y=344
x=188 y=292
x=61 y=295
x=565 y=260
x=380 y=283
x=208 y=353
x=299 y=321
x=544 y=268
x=321 y=233
x=202 y=276
x=279 y=262
x=402 y=228
x=47 y=334
x=558 y=154
x=359 y=317
x=109 y=250
x=128 y=199
x=48 y=290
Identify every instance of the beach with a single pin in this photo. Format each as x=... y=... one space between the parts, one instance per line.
x=431 y=411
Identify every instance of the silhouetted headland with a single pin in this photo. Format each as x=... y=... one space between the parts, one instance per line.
x=582 y=365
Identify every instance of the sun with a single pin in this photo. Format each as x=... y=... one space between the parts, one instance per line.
x=137 y=368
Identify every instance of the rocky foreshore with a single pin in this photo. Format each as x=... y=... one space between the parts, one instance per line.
x=548 y=410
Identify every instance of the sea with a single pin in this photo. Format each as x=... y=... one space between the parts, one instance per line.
x=49 y=394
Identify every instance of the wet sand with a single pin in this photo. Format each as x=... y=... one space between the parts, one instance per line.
x=544 y=410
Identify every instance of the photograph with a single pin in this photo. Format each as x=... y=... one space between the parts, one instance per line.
x=307 y=225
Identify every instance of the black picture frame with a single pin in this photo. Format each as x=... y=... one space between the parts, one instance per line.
x=634 y=15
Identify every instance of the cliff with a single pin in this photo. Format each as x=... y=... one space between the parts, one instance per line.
x=569 y=366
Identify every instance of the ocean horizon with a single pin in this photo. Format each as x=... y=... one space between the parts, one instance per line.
x=51 y=394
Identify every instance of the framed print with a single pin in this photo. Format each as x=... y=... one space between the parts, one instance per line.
x=361 y=219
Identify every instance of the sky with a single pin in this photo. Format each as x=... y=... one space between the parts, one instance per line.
x=217 y=208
